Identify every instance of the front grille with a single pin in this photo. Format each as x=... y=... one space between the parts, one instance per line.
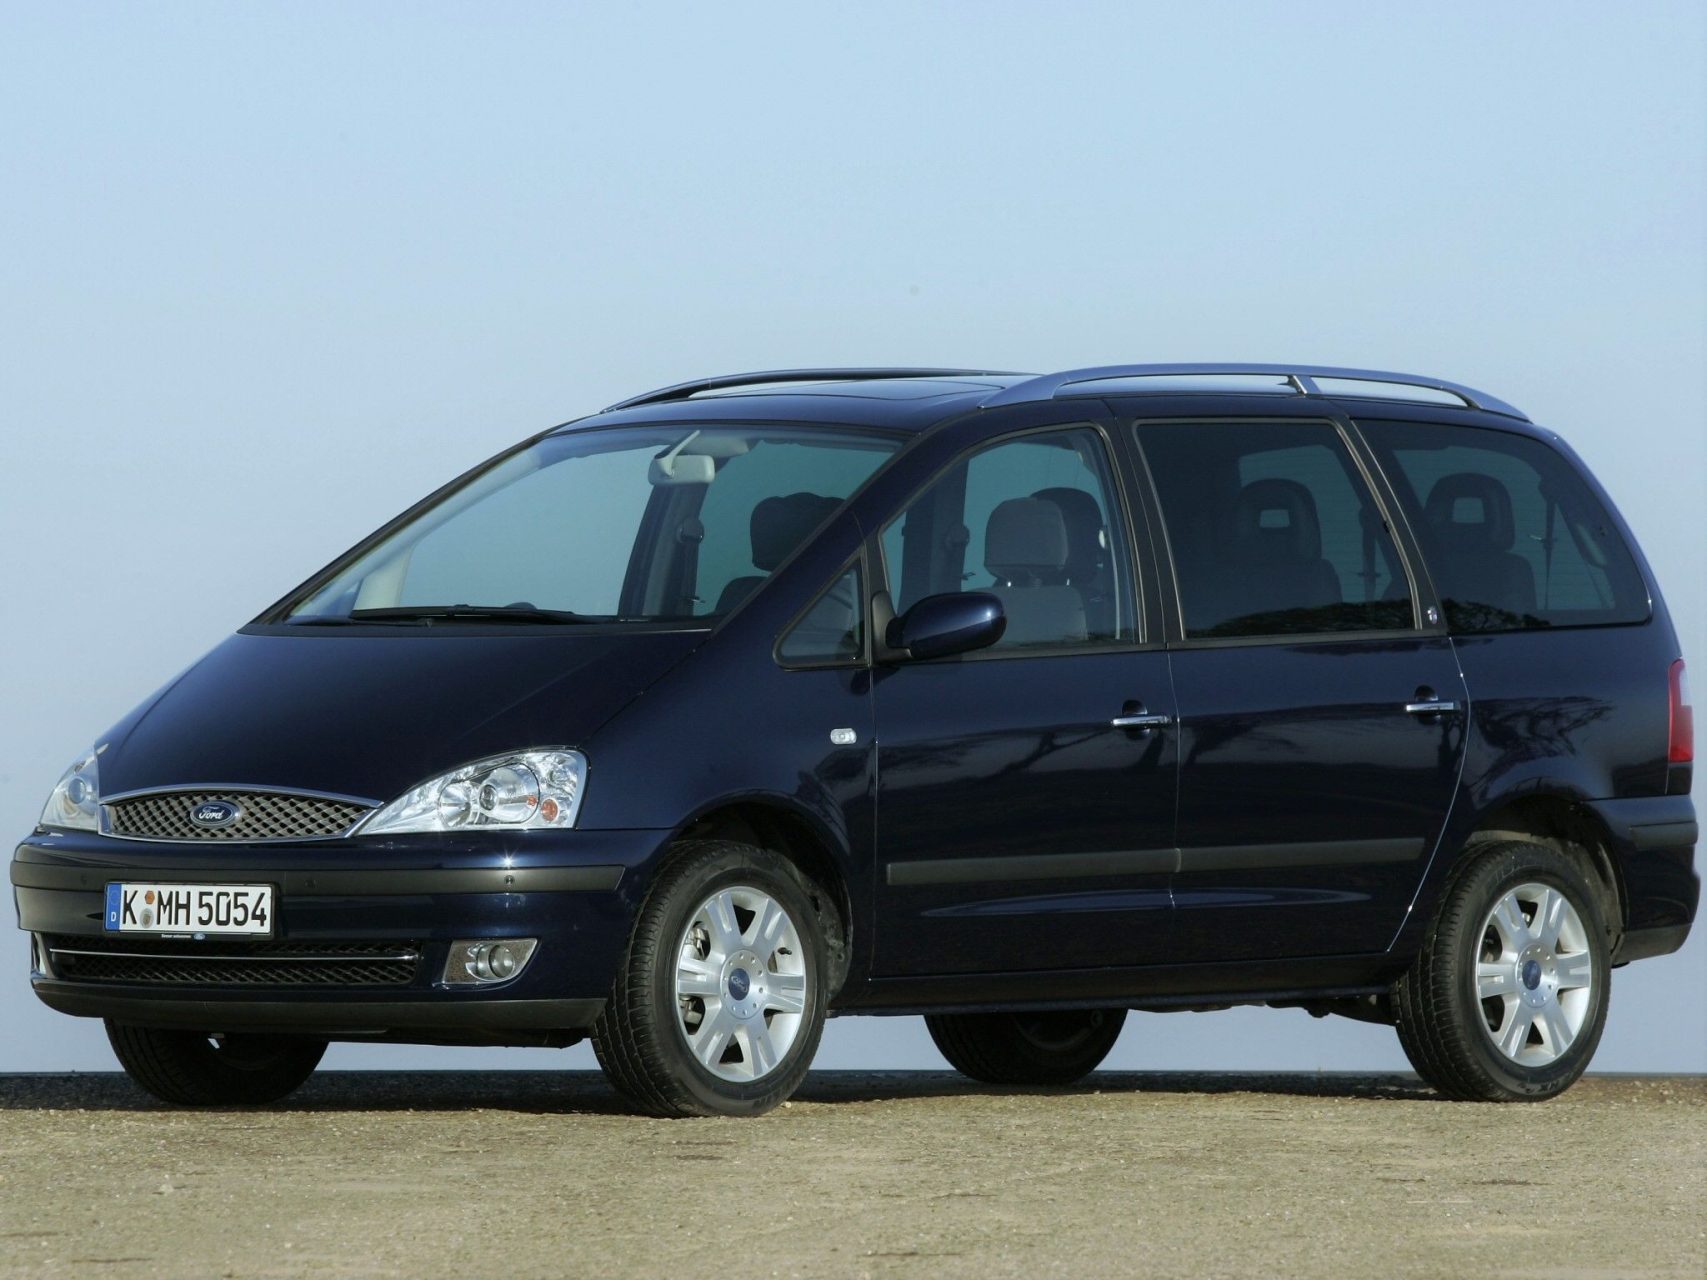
x=233 y=964
x=261 y=815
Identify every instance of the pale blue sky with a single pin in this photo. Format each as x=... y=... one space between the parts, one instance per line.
x=270 y=273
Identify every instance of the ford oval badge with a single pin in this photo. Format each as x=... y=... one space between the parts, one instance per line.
x=215 y=813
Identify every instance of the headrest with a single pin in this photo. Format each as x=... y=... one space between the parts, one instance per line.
x=1470 y=512
x=1025 y=536
x=1083 y=518
x=780 y=525
x=1275 y=521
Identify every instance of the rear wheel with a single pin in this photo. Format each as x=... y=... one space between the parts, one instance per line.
x=194 y=1069
x=1050 y=1047
x=1507 y=999
x=720 y=1001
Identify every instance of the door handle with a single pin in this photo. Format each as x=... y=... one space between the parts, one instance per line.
x=1431 y=707
x=1141 y=720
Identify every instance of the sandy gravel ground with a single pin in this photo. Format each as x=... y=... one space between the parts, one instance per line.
x=914 y=1175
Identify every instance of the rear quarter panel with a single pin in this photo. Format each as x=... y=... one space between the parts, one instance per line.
x=1581 y=713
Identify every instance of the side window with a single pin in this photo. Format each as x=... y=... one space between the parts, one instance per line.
x=1273 y=531
x=1033 y=521
x=1513 y=536
x=832 y=630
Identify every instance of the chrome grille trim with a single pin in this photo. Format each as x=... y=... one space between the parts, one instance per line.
x=265 y=816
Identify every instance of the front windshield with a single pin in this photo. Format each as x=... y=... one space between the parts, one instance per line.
x=629 y=524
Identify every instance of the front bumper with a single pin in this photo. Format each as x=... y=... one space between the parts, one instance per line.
x=575 y=891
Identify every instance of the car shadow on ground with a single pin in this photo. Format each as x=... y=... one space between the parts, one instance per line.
x=585 y=1092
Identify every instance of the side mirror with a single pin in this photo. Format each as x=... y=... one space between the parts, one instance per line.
x=938 y=626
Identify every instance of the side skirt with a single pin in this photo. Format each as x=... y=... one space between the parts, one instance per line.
x=1157 y=987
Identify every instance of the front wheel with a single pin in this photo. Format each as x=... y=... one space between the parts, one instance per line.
x=194 y=1069
x=719 y=1001
x=1052 y=1047
x=1508 y=997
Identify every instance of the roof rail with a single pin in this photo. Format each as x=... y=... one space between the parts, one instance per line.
x=1302 y=377
x=682 y=390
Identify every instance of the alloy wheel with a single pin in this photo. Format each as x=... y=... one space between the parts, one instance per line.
x=740 y=984
x=1535 y=974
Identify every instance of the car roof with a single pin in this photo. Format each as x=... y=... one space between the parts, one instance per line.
x=901 y=400
x=909 y=399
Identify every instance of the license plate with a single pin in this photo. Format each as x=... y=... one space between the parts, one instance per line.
x=245 y=910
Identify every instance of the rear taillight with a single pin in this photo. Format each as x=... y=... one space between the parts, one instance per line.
x=1682 y=748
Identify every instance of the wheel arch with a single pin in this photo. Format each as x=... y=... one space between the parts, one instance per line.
x=784 y=828
x=1562 y=821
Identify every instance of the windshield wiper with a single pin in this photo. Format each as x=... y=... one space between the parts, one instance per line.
x=431 y=613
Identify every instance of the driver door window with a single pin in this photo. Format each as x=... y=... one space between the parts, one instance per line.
x=1033 y=521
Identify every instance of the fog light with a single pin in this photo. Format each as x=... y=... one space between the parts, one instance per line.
x=500 y=962
x=483 y=960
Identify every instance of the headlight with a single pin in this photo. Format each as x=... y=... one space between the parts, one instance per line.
x=518 y=792
x=75 y=804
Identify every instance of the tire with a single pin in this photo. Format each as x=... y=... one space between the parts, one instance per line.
x=1054 y=1047
x=718 y=1004
x=192 y=1069
x=1507 y=999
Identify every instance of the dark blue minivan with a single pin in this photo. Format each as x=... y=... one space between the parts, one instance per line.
x=1019 y=702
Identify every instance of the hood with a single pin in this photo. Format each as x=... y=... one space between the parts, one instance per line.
x=370 y=715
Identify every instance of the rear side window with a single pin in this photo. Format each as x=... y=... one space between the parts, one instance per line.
x=1513 y=536
x=1273 y=531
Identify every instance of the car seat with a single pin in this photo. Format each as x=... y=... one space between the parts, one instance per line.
x=777 y=528
x=1088 y=567
x=1470 y=519
x=1025 y=548
x=1274 y=560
